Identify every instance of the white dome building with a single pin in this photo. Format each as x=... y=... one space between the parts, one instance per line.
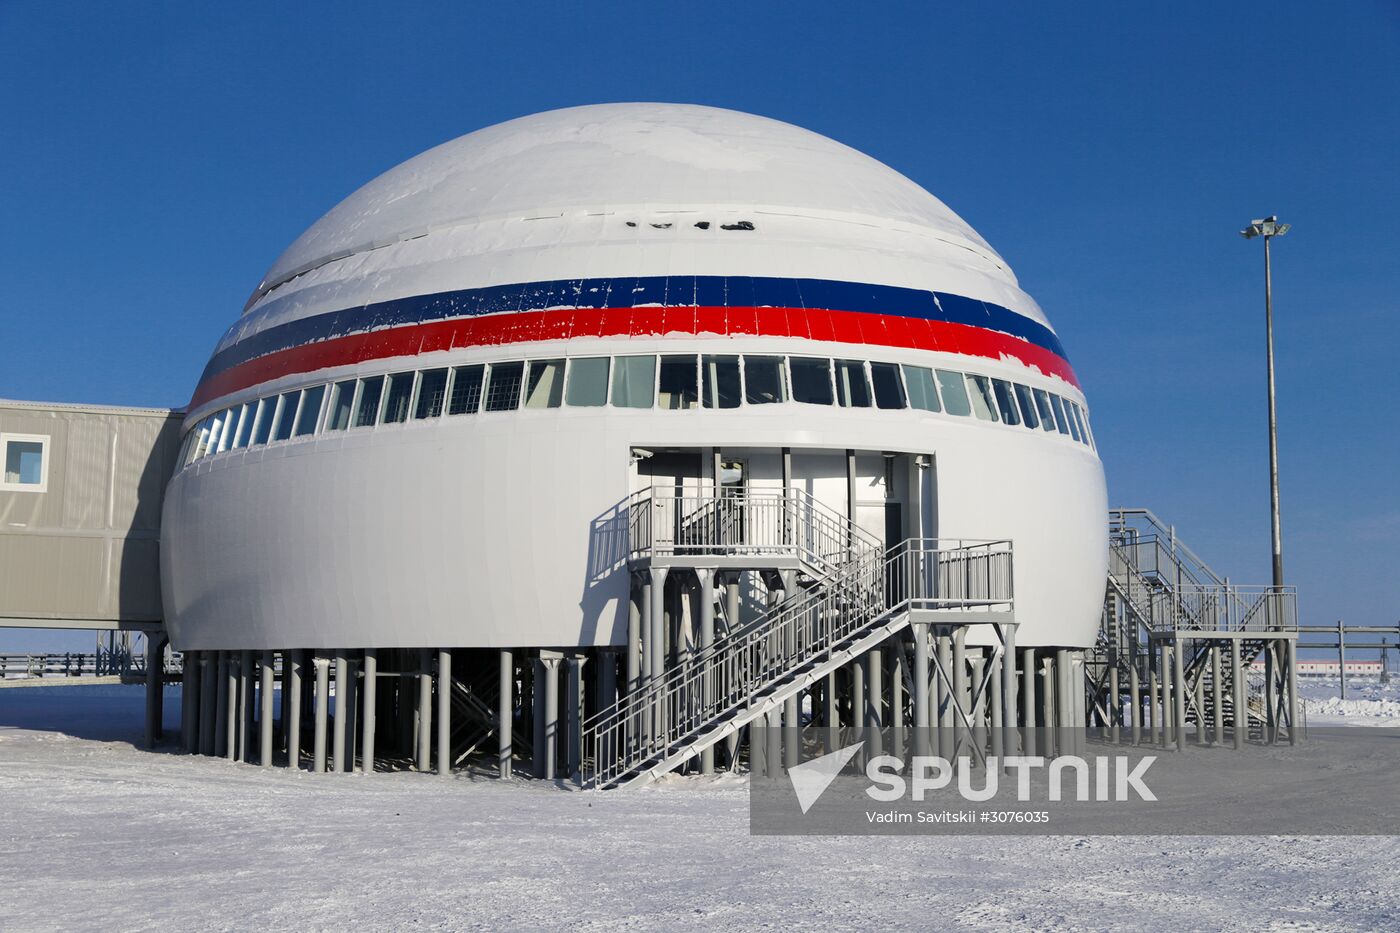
x=456 y=405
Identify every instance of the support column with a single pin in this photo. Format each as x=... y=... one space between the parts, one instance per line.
x=573 y=714
x=222 y=735
x=231 y=714
x=1008 y=689
x=370 y=690
x=945 y=697
x=1295 y=734
x=1179 y=695
x=425 y=709
x=265 y=691
x=546 y=743
x=505 y=709
x=635 y=597
x=706 y=580
x=1135 y=699
x=961 y=691
x=874 y=702
x=155 y=688
x=294 y=660
x=1240 y=712
x=342 y=713
x=189 y=702
x=831 y=717
x=1155 y=722
x=1049 y=700
x=1028 y=707
x=1217 y=733
x=208 y=691
x=897 y=717
x=444 y=712
x=859 y=718
x=997 y=715
x=322 y=705
x=922 y=712
x=245 y=707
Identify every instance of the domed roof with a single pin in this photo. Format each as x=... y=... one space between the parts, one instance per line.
x=612 y=157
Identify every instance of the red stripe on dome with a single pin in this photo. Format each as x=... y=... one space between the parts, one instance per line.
x=855 y=327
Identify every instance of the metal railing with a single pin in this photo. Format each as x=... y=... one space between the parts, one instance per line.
x=78 y=664
x=743 y=523
x=1166 y=606
x=1155 y=549
x=669 y=712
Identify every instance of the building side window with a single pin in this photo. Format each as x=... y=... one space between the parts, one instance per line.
x=634 y=381
x=954 y=392
x=26 y=462
x=1001 y=389
x=545 y=386
x=811 y=380
x=1047 y=414
x=432 y=391
x=1028 y=414
x=367 y=408
x=342 y=404
x=503 y=386
x=465 y=398
x=1061 y=419
x=889 y=391
x=310 y=410
x=922 y=394
x=245 y=425
x=588 y=382
x=763 y=380
x=720 y=378
x=400 y=395
x=852 y=391
x=286 y=416
x=676 y=386
x=979 y=391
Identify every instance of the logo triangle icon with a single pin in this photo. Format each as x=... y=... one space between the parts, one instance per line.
x=811 y=778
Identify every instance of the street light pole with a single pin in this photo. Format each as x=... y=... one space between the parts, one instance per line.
x=1269 y=228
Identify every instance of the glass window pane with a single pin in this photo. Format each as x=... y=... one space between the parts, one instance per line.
x=1088 y=432
x=397 y=401
x=919 y=380
x=588 y=382
x=1047 y=414
x=634 y=381
x=432 y=390
x=342 y=400
x=24 y=463
x=1061 y=420
x=201 y=440
x=852 y=390
x=954 y=390
x=1075 y=424
x=811 y=380
x=367 y=408
x=218 y=439
x=545 y=387
x=763 y=380
x=245 y=425
x=286 y=416
x=310 y=410
x=503 y=386
x=466 y=389
x=719 y=376
x=1027 y=402
x=1005 y=403
x=262 y=430
x=676 y=386
x=1069 y=419
x=186 y=446
x=889 y=390
x=979 y=390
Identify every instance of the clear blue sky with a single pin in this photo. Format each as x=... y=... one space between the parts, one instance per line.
x=155 y=159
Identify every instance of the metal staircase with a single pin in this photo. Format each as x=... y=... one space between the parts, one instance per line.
x=857 y=597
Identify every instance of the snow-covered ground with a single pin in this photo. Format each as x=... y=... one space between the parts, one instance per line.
x=1368 y=702
x=95 y=833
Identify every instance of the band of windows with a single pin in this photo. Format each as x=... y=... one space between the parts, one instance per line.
x=669 y=381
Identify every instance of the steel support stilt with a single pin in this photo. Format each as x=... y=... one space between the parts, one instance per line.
x=294 y=660
x=505 y=710
x=444 y=712
x=229 y=726
x=922 y=707
x=208 y=693
x=1291 y=660
x=1028 y=705
x=1179 y=694
x=155 y=688
x=221 y=720
x=322 y=711
x=425 y=710
x=246 y=708
x=548 y=743
x=189 y=702
x=1008 y=690
x=370 y=705
x=1239 y=713
x=706 y=580
x=265 y=697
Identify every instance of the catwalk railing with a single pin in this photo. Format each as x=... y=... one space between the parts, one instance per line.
x=744 y=523
x=79 y=664
x=721 y=681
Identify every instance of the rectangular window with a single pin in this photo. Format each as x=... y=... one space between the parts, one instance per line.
x=1005 y=403
x=218 y=439
x=26 y=462
x=763 y=380
x=1061 y=420
x=201 y=443
x=1028 y=415
x=922 y=394
x=432 y=391
x=889 y=390
x=262 y=425
x=1069 y=419
x=811 y=380
x=398 y=399
x=342 y=403
x=1047 y=414
x=1084 y=423
x=979 y=390
x=719 y=376
x=954 y=390
x=588 y=382
x=310 y=410
x=676 y=386
x=186 y=446
x=852 y=390
x=634 y=381
x=503 y=386
x=545 y=387
x=245 y=425
x=466 y=390
x=367 y=408
x=1076 y=425
x=286 y=416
